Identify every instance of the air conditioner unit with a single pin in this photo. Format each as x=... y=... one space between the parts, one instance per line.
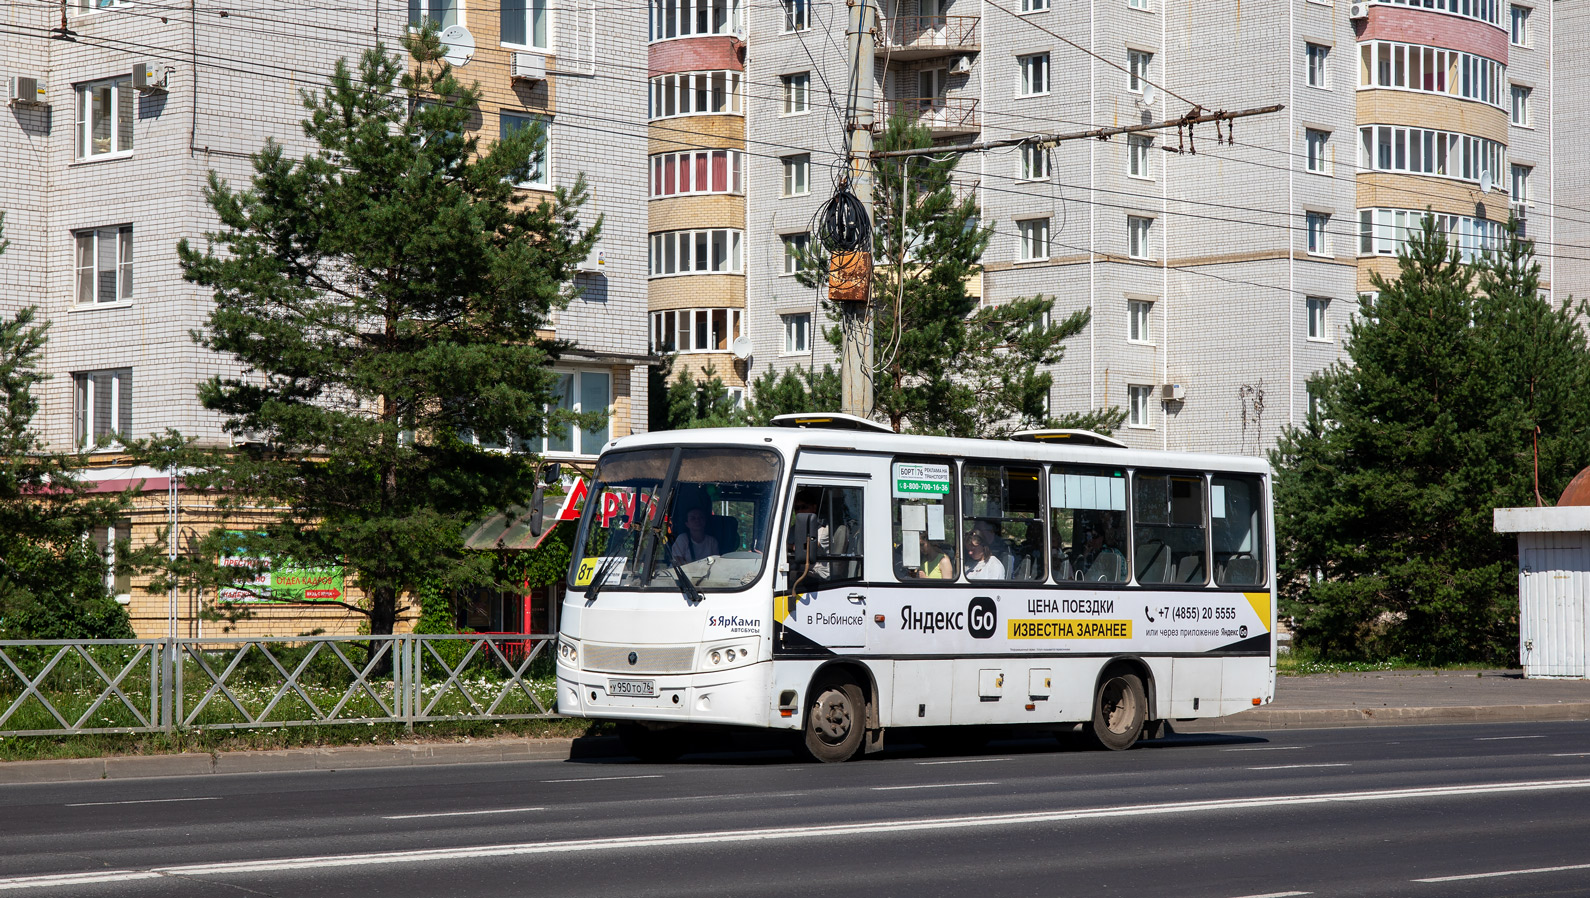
x=596 y=263
x=1359 y=11
x=1520 y=211
x=528 y=67
x=961 y=65
x=149 y=77
x=1173 y=393
x=27 y=90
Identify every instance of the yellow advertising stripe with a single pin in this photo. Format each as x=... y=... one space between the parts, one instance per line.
x=1261 y=606
x=780 y=607
x=1069 y=629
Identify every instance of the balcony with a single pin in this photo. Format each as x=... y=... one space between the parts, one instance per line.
x=905 y=38
x=944 y=117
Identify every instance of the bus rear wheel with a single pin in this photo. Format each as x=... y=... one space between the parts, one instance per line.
x=836 y=721
x=1119 y=709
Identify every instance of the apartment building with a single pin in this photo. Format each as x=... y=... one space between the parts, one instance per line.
x=120 y=110
x=1220 y=267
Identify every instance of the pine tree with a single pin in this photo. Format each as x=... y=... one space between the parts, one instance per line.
x=52 y=576
x=385 y=295
x=1384 y=499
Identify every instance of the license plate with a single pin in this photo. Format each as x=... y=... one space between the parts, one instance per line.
x=632 y=687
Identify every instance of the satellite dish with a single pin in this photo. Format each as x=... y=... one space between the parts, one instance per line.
x=1148 y=94
x=1485 y=182
x=741 y=347
x=459 y=44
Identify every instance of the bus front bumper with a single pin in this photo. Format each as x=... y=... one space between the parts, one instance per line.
x=735 y=697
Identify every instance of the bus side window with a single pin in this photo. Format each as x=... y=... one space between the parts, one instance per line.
x=1087 y=516
x=826 y=535
x=923 y=520
x=1002 y=505
x=1236 y=506
x=1170 y=523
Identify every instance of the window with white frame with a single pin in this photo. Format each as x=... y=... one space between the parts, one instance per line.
x=1139 y=321
x=1138 y=228
x=1317 y=141
x=1316 y=318
x=1519 y=32
x=1139 y=151
x=797 y=93
x=797 y=333
x=797 y=15
x=1034 y=5
x=1318 y=67
x=91 y=5
x=102 y=405
x=1386 y=231
x=696 y=172
x=798 y=174
x=795 y=246
x=105 y=117
x=687 y=18
x=538 y=176
x=1034 y=162
x=118 y=582
x=1033 y=237
x=104 y=264
x=1483 y=10
x=715 y=251
x=1520 y=105
x=1137 y=4
x=1138 y=69
x=1034 y=74
x=524 y=24
x=1318 y=238
x=1138 y=398
x=1399 y=66
x=579 y=391
x=443 y=12
x=696 y=330
x=1429 y=152
x=696 y=93
x=1519 y=189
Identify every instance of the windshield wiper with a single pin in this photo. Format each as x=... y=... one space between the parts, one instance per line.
x=595 y=589
x=687 y=586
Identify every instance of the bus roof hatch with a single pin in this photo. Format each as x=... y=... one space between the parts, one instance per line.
x=830 y=421
x=1073 y=437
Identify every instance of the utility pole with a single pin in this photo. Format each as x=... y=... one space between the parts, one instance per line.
x=856 y=317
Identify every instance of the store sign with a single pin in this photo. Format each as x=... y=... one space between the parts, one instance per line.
x=285 y=584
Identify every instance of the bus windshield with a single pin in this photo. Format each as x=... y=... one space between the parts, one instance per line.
x=654 y=514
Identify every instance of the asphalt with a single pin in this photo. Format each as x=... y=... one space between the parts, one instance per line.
x=1381 y=698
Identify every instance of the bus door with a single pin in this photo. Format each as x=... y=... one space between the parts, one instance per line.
x=822 y=594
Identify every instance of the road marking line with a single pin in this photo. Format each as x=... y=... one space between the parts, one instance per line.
x=1269 y=748
x=1298 y=766
x=1278 y=895
x=462 y=813
x=1503 y=738
x=603 y=779
x=1572 y=754
x=1504 y=873
x=781 y=835
x=928 y=786
x=963 y=761
x=74 y=879
x=95 y=804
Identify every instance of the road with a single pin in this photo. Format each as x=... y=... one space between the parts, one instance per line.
x=1483 y=810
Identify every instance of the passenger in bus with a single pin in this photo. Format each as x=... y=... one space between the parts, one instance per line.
x=936 y=563
x=695 y=543
x=1096 y=559
x=984 y=565
x=808 y=526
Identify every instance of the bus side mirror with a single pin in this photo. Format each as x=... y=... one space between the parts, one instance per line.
x=551 y=473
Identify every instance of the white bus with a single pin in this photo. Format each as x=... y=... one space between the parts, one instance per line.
x=828 y=578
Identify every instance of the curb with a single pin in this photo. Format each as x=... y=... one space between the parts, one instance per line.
x=1267 y=719
x=285 y=760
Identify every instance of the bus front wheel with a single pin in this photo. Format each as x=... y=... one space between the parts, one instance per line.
x=836 y=721
x=1119 y=709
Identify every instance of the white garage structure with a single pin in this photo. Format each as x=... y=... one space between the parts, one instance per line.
x=1553 y=587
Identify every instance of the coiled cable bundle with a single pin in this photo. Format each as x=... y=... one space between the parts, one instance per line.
x=845 y=231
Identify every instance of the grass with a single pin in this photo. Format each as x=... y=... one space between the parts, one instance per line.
x=1302 y=662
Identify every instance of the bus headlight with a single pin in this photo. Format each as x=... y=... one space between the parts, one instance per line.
x=730 y=655
x=568 y=653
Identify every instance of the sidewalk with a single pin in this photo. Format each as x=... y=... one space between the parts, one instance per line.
x=1322 y=700
x=1408 y=696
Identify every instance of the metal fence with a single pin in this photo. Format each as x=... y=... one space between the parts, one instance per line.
x=64 y=687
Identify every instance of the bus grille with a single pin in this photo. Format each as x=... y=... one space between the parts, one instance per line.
x=648 y=659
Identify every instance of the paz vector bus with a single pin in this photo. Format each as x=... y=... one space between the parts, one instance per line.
x=832 y=578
